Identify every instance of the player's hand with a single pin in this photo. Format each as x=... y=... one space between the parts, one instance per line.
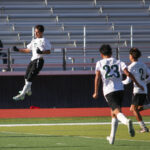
x=15 y=49
x=39 y=51
x=95 y=95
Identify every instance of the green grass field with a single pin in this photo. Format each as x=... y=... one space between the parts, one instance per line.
x=68 y=137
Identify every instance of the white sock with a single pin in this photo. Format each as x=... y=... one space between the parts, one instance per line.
x=26 y=87
x=146 y=106
x=114 y=125
x=142 y=124
x=122 y=118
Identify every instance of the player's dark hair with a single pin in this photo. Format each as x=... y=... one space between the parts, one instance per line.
x=106 y=50
x=40 y=28
x=135 y=53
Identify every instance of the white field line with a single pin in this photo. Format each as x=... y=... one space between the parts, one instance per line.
x=61 y=124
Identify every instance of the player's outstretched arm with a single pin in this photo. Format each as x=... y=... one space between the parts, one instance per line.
x=127 y=73
x=20 y=50
x=97 y=81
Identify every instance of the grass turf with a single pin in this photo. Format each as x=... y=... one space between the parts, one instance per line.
x=62 y=120
x=85 y=137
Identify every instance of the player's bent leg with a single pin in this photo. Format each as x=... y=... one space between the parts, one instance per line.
x=26 y=88
x=135 y=111
x=127 y=122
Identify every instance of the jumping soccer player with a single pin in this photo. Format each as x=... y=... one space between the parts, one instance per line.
x=39 y=46
x=110 y=71
x=140 y=71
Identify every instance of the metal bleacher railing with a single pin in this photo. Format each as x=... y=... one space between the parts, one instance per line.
x=66 y=62
x=19 y=62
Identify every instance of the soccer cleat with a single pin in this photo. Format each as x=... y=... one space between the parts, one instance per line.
x=18 y=97
x=130 y=128
x=144 y=130
x=110 y=139
x=29 y=93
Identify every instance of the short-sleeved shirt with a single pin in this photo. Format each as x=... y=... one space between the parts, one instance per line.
x=111 y=71
x=41 y=43
x=140 y=72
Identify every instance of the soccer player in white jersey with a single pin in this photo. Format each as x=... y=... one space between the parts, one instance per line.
x=39 y=47
x=140 y=71
x=110 y=71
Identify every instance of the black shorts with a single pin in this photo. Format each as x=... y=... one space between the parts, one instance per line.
x=115 y=99
x=138 y=99
x=33 y=69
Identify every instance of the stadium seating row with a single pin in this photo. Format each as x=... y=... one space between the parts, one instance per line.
x=106 y=21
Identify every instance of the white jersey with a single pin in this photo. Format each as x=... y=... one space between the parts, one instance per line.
x=41 y=43
x=111 y=71
x=140 y=72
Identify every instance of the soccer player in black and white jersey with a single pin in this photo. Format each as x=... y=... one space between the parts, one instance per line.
x=140 y=71
x=110 y=71
x=39 y=47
